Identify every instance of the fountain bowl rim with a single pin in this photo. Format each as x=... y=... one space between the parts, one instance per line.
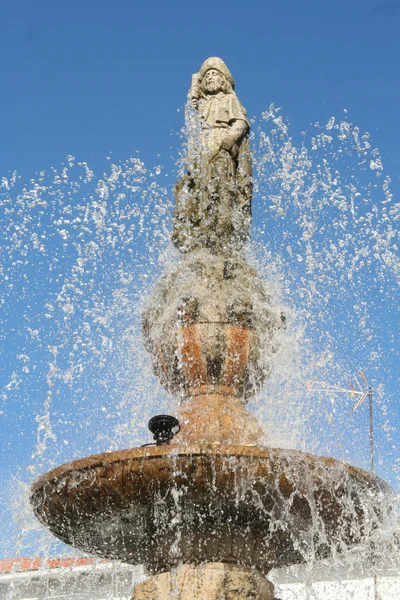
x=175 y=450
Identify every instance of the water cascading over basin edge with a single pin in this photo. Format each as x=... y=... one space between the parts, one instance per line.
x=214 y=497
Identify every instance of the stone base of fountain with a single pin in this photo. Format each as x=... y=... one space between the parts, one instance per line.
x=212 y=581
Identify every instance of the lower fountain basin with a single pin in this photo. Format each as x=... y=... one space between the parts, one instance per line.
x=256 y=507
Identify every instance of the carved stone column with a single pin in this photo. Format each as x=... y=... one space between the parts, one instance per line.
x=212 y=332
x=212 y=581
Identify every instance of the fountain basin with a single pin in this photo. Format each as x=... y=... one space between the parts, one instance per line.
x=255 y=507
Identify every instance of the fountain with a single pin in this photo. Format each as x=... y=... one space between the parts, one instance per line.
x=209 y=509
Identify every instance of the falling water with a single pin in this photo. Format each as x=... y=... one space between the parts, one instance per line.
x=81 y=253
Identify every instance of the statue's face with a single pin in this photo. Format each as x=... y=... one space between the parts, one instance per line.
x=213 y=81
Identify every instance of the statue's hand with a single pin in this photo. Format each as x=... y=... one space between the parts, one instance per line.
x=195 y=89
x=194 y=94
x=227 y=143
x=218 y=153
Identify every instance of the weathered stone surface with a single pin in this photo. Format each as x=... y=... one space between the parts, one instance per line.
x=210 y=327
x=213 y=581
x=213 y=199
x=167 y=505
x=210 y=323
x=216 y=418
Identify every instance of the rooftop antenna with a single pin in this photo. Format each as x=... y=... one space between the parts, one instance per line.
x=362 y=391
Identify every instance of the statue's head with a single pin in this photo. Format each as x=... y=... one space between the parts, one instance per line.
x=215 y=77
x=213 y=82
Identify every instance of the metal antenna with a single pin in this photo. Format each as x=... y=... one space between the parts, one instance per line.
x=361 y=392
x=368 y=394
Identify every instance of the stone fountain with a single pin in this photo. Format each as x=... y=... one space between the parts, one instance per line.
x=212 y=512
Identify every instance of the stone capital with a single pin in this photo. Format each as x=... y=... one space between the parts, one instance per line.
x=211 y=581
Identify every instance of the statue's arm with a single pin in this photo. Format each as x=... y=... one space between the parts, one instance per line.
x=237 y=131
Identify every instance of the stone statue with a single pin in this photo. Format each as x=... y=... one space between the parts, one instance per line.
x=210 y=326
x=213 y=199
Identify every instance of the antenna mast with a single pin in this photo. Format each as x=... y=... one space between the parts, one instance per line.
x=361 y=393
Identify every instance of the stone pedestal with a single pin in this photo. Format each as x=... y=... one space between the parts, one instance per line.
x=210 y=328
x=212 y=581
x=219 y=417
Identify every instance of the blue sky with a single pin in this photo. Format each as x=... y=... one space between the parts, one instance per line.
x=98 y=79
x=89 y=77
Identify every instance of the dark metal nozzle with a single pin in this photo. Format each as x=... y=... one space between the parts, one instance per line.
x=163 y=428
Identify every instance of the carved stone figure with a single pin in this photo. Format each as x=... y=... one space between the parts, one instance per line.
x=213 y=199
x=210 y=326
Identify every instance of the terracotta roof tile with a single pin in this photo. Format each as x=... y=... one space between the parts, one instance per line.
x=19 y=565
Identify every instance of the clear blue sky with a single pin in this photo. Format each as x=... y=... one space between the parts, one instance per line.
x=88 y=77
x=98 y=78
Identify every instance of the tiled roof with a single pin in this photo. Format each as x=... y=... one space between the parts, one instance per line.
x=20 y=565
